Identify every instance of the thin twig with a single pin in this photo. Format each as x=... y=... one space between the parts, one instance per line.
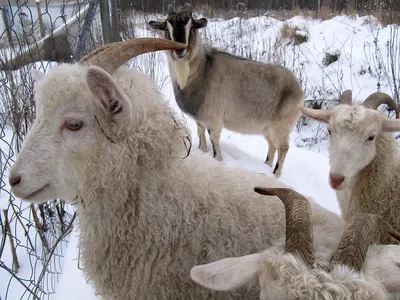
x=13 y=252
x=39 y=227
x=60 y=217
x=188 y=148
x=108 y=138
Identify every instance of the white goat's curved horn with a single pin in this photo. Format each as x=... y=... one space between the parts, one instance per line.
x=378 y=98
x=111 y=56
x=346 y=97
x=299 y=232
x=362 y=231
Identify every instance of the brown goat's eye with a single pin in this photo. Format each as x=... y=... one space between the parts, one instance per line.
x=329 y=132
x=371 y=138
x=73 y=125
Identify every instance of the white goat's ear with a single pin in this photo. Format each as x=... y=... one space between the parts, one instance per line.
x=390 y=125
x=111 y=99
x=316 y=114
x=229 y=273
x=37 y=75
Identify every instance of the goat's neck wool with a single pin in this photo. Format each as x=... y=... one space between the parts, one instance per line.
x=182 y=70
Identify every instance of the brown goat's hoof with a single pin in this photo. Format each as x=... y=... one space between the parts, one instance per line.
x=218 y=157
x=277 y=170
x=268 y=163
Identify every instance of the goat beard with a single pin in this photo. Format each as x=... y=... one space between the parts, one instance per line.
x=182 y=73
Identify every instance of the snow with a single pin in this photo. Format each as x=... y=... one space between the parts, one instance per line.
x=72 y=283
x=362 y=44
x=10 y=287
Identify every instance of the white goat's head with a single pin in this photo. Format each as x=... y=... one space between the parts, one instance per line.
x=182 y=27
x=293 y=273
x=353 y=131
x=79 y=108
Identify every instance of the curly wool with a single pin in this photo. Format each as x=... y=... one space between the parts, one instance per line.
x=286 y=276
x=147 y=216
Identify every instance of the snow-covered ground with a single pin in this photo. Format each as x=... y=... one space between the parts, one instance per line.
x=362 y=44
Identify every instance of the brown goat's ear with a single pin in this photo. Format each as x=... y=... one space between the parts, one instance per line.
x=229 y=273
x=109 y=97
x=157 y=25
x=316 y=114
x=200 y=23
x=390 y=125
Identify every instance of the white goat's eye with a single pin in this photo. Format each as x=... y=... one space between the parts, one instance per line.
x=371 y=138
x=73 y=125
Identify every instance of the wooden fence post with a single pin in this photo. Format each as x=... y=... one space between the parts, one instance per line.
x=115 y=28
x=39 y=11
x=105 y=21
x=7 y=25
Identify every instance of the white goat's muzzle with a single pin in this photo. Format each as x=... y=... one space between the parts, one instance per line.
x=28 y=190
x=336 y=181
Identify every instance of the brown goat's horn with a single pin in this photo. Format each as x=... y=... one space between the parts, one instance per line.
x=299 y=232
x=346 y=97
x=111 y=56
x=378 y=98
x=362 y=231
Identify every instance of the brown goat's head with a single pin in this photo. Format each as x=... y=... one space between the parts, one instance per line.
x=180 y=26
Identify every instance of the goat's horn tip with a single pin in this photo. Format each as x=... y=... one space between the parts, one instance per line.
x=261 y=190
x=181 y=45
x=267 y=191
x=173 y=44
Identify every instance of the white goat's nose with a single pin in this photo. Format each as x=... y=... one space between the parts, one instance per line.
x=335 y=179
x=14 y=180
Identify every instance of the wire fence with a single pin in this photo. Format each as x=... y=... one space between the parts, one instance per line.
x=35 y=35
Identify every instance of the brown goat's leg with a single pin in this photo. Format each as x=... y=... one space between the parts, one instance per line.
x=282 y=151
x=271 y=151
x=280 y=138
x=215 y=134
x=201 y=133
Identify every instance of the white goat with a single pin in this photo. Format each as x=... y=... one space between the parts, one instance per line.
x=221 y=90
x=363 y=156
x=297 y=273
x=107 y=141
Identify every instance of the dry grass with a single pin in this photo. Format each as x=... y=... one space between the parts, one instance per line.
x=330 y=58
x=388 y=17
x=294 y=34
x=384 y=16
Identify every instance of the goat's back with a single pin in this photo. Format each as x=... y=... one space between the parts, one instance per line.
x=249 y=94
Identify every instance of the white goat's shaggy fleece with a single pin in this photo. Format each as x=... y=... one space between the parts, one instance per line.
x=147 y=215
